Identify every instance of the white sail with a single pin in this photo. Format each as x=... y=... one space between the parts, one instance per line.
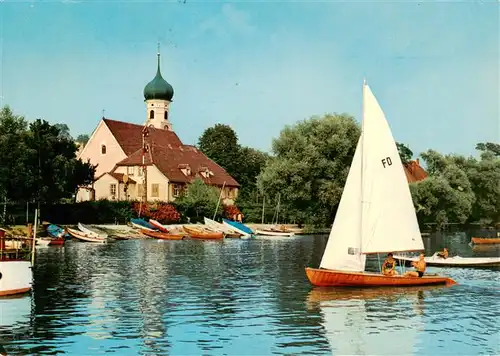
x=343 y=248
x=389 y=221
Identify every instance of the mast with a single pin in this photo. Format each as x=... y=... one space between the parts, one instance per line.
x=263 y=207
x=145 y=133
x=362 y=160
x=218 y=201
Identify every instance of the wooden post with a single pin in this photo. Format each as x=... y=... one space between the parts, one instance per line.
x=34 y=239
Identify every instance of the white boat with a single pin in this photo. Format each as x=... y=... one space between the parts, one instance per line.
x=376 y=213
x=43 y=242
x=85 y=237
x=273 y=232
x=91 y=231
x=455 y=261
x=16 y=277
x=218 y=227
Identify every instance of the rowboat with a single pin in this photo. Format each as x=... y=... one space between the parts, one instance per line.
x=162 y=235
x=375 y=214
x=92 y=231
x=244 y=230
x=218 y=227
x=85 y=237
x=157 y=225
x=200 y=234
x=142 y=224
x=485 y=240
x=57 y=231
x=273 y=232
x=455 y=261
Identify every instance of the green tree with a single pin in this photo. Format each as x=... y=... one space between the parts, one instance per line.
x=220 y=143
x=198 y=200
x=13 y=172
x=54 y=170
x=489 y=147
x=404 y=152
x=82 y=139
x=311 y=163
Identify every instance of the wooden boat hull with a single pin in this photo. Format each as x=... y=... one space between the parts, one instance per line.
x=162 y=235
x=485 y=240
x=328 y=278
x=92 y=231
x=454 y=261
x=273 y=233
x=84 y=237
x=218 y=227
x=157 y=225
x=197 y=234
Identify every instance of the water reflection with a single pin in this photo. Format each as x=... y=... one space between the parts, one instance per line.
x=241 y=297
x=371 y=321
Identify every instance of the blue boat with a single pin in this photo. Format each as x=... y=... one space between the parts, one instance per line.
x=57 y=231
x=242 y=229
x=141 y=224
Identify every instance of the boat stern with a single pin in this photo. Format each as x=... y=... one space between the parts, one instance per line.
x=16 y=277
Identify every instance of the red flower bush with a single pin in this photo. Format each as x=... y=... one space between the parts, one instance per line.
x=230 y=211
x=164 y=213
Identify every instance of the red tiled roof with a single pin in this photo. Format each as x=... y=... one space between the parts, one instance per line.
x=129 y=136
x=117 y=176
x=414 y=171
x=170 y=159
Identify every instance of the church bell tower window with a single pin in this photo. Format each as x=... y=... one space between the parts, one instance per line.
x=152 y=114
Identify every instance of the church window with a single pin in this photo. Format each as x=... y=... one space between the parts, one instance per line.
x=103 y=149
x=152 y=114
x=165 y=115
x=155 y=190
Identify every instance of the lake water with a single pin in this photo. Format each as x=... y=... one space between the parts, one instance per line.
x=241 y=297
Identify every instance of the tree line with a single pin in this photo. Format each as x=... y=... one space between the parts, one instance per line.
x=310 y=160
x=38 y=161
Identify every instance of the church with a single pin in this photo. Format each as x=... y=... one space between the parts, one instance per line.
x=138 y=161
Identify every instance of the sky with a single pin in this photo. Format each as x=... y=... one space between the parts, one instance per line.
x=258 y=66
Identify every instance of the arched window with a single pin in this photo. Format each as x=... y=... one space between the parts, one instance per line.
x=152 y=114
x=166 y=115
x=103 y=149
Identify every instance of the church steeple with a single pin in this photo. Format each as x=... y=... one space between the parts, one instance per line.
x=158 y=95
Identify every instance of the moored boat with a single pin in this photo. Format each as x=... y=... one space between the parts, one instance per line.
x=16 y=274
x=92 y=231
x=455 y=261
x=218 y=227
x=273 y=232
x=200 y=234
x=162 y=235
x=485 y=240
x=85 y=237
x=142 y=224
x=375 y=214
x=244 y=230
x=57 y=231
x=158 y=226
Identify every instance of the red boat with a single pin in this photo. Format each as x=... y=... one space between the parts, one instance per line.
x=328 y=278
x=157 y=225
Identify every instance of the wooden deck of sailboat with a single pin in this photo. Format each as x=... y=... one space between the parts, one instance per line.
x=328 y=278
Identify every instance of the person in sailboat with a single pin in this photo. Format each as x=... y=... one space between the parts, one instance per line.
x=443 y=254
x=389 y=266
x=419 y=265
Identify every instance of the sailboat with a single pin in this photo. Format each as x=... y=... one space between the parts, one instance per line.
x=376 y=212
